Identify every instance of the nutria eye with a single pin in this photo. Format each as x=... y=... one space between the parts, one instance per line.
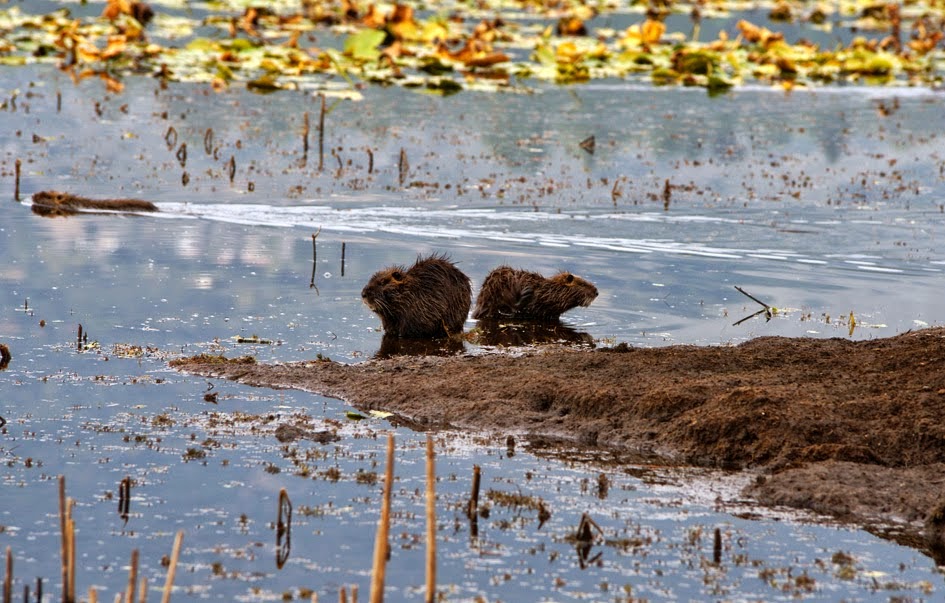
x=569 y=279
x=396 y=276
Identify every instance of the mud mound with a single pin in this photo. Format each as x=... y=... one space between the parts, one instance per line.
x=818 y=416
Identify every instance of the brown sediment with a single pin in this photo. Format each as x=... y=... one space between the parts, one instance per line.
x=855 y=430
x=57 y=204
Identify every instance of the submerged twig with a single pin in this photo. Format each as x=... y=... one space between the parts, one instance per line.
x=766 y=309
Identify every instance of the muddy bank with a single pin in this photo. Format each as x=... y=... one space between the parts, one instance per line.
x=851 y=429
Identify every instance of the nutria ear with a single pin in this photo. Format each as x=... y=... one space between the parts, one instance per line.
x=397 y=276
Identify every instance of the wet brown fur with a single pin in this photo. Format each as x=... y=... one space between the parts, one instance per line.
x=518 y=294
x=55 y=203
x=430 y=299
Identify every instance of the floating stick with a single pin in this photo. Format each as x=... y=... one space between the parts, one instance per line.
x=667 y=194
x=79 y=341
x=381 y=547
x=231 y=167
x=321 y=136
x=58 y=101
x=172 y=567
x=431 y=524
x=370 y=164
x=16 y=187
x=342 y=258
x=766 y=309
x=132 y=577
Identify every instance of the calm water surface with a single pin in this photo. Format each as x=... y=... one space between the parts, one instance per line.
x=810 y=201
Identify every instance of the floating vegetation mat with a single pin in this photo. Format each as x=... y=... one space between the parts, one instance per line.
x=445 y=47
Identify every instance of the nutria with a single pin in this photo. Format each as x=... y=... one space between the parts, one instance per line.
x=431 y=299
x=55 y=203
x=518 y=294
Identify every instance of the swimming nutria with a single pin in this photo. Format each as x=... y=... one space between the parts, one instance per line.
x=431 y=299
x=55 y=203
x=510 y=293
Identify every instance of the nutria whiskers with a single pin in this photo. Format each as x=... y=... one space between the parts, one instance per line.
x=55 y=203
x=518 y=294
x=431 y=299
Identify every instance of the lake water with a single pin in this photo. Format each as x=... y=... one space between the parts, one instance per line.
x=811 y=201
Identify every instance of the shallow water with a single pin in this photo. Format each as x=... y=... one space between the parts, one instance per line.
x=811 y=202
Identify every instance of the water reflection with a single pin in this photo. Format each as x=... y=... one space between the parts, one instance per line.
x=524 y=333
x=391 y=346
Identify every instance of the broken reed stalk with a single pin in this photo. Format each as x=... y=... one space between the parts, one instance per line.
x=143 y=591
x=321 y=136
x=70 y=527
x=717 y=547
x=16 y=188
x=342 y=595
x=172 y=567
x=64 y=544
x=383 y=527
x=132 y=577
x=431 y=524
x=314 y=257
x=8 y=578
x=93 y=595
x=354 y=593
x=402 y=166
x=472 y=509
x=305 y=130
x=342 y=258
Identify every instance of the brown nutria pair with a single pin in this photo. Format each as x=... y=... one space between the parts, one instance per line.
x=508 y=293
x=55 y=203
x=432 y=297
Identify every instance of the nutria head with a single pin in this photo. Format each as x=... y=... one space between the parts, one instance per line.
x=430 y=299
x=562 y=292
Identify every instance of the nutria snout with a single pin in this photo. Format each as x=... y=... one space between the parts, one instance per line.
x=430 y=299
x=518 y=294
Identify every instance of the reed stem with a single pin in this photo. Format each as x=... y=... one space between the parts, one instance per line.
x=383 y=527
x=172 y=567
x=431 y=524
